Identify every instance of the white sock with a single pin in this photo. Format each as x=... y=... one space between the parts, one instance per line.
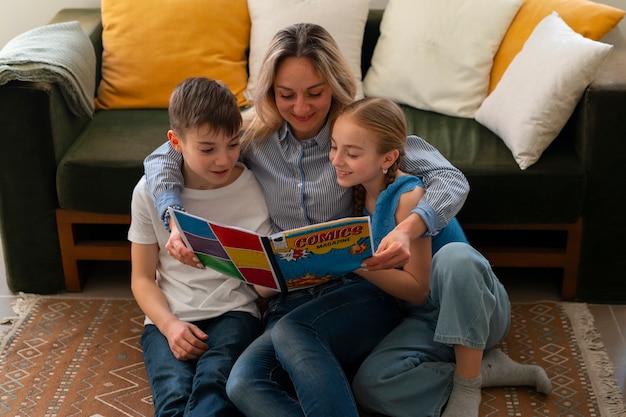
x=465 y=397
x=499 y=370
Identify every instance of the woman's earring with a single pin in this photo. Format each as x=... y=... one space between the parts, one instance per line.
x=384 y=170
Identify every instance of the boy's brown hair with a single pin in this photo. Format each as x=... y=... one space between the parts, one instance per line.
x=200 y=101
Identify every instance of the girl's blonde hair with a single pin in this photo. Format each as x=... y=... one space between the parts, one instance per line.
x=385 y=120
x=300 y=40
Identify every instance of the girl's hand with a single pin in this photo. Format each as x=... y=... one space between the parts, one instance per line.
x=394 y=251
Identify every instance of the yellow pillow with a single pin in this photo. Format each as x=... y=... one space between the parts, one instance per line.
x=150 y=47
x=592 y=20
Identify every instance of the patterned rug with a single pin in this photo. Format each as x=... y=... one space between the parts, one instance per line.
x=81 y=357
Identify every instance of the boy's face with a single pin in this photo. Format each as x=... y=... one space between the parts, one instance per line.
x=209 y=157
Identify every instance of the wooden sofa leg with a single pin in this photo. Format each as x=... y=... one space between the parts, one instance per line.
x=68 y=255
x=572 y=260
x=565 y=256
x=74 y=250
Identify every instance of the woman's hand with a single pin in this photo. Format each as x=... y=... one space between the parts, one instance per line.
x=178 y=250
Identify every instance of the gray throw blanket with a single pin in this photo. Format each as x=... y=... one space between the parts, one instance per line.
x=59 y=53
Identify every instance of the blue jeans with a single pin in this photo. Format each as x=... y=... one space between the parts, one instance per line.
x=197 y=388
x=296 y=367
x=410 y=372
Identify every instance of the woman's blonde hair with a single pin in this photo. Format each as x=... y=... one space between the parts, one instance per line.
x=385 y=120
x=300 y=40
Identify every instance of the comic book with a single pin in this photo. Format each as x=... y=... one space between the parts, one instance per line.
x=284 y=261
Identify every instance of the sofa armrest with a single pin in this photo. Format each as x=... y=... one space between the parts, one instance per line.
x=90 y=21
x=600 y=132
x=39 y=128
x=610 y=79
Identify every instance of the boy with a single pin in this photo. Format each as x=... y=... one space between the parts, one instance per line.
x=198 y=321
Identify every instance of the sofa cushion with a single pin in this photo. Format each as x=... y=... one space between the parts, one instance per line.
x=590 y=19
x=540 y=89
x=150 y=48
x=551 y=192
x=100 y=169
x=97 y=177
x=346 y=24
x=434 y=56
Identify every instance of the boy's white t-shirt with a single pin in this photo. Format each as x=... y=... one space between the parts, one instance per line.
x=197 y=294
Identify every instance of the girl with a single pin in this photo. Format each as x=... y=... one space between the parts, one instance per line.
x=455 y=306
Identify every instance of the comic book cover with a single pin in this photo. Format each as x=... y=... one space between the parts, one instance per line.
x=284 y=261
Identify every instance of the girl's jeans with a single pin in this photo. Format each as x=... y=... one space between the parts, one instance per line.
x=410 y=372
x=197 y=388
x=296 y=367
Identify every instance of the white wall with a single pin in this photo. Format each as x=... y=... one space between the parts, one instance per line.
x=620 y=4
x=23 y=15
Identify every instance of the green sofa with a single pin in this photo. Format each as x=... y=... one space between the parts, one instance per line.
x=564 y=212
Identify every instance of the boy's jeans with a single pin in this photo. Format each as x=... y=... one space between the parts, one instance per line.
x=197 y=388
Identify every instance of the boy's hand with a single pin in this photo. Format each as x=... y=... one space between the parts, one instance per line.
x=394 y=251
x=187 y=341
x=178 y=250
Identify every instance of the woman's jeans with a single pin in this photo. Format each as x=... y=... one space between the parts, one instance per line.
x=296 y=367
x=410 y=372
x=197 y=388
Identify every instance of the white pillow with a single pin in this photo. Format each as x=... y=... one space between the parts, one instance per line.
x=344 y=19
x=437 y=54
x=541 y=87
